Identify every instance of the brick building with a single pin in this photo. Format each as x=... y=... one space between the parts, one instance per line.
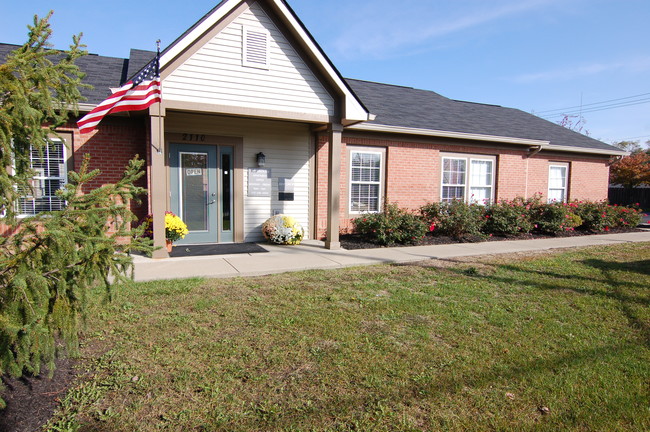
x=256 y=120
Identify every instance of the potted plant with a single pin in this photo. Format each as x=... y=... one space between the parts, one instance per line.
x=283 y=229
x=175 y=229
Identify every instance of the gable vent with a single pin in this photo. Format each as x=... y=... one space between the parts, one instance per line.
x=255 y=47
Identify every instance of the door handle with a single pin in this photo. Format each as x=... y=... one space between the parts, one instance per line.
x=212 y=202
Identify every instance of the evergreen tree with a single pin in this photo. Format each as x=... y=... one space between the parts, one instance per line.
x=51 y=260
x=39 y=89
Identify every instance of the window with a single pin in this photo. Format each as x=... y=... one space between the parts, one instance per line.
x=365 y=181
x=255 y=47
x=557 y=182
x=51 y=175
x=467 y=178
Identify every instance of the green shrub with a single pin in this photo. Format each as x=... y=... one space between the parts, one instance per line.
x=508 y=218
x=627 y=217
x=392 y=226
x=456 y=218
x=554 y=218
x=595 y=216
x=601 y=217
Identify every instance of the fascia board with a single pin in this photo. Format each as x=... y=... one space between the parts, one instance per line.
x=561 y=148
x=86 y=107
x=447 y=134
x=354 y=111
x=181 y=45
x=541 y=144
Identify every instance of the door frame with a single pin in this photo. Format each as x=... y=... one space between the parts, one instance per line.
x=237 y=177
x=206 y=192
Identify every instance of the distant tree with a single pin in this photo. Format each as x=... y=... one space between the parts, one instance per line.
x=575 y=123
x=51 y=260
x=630 y=146
x=632 y=170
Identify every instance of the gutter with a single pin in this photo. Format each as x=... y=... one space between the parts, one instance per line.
x=86 y=107
x=446 y=134
x=614 y=159
x=535 y=145
x=534 y=150
x=561 y=148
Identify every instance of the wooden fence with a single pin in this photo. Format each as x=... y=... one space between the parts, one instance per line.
x=624 y=196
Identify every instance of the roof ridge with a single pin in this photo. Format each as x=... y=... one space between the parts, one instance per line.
x=478 y=103
x=380 y=83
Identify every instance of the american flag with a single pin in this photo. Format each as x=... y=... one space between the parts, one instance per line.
x=143 y=90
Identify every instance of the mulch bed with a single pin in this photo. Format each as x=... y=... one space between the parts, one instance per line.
x=354 y=241
x=31 y=401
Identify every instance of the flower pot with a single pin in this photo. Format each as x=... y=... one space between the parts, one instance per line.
x=169 y=245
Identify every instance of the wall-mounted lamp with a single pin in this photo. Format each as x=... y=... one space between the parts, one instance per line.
x=261 y=159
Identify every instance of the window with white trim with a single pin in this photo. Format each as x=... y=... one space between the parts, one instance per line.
x=49 y=164
x=557 y=182
x=468 y=178
x=365 y=181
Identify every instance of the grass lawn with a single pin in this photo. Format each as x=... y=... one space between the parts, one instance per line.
x=554 y=341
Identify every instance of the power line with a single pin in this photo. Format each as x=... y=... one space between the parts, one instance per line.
x=547 y=112
x=636 y=137
x=598 y=108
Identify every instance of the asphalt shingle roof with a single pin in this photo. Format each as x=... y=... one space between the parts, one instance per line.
x=423 y=109
x=101 y=72
x=393 y=105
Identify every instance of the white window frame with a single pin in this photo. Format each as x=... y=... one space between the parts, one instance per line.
x=467 y=196
x=38 y=179
x=565 y=186
x=256 y=43
x=380 y=183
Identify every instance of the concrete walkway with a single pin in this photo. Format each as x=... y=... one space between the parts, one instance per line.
x=312 y=255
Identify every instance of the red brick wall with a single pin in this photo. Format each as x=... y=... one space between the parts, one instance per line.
x=412 y=175
x=588 y=178
x=115 y=141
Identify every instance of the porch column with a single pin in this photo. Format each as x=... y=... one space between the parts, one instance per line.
x=335 y=131
x=158 y=180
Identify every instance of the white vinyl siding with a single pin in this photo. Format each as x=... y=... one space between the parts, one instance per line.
x=51 y=175
x=365 y=181
x=557 y=182
x=467 y=178
x=216 y=73
x=287 y=149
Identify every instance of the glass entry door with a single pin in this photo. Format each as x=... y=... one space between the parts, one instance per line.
x=201 y=191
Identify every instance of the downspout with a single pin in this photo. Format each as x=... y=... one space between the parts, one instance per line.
x=532 y=151
x=614 y=159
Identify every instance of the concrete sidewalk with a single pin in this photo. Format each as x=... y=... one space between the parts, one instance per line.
x=312 y=255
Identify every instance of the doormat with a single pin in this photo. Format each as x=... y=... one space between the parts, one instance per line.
x=215 y=249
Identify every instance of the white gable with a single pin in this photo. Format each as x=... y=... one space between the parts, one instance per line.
x=249 y=64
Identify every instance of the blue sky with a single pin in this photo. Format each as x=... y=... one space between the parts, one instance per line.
x=535 y=55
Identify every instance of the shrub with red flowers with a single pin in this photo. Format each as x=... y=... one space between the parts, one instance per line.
x=509 y=217
x=601 y=217
x=455 y=219
x=392 y=226
x=505 y=218
x=554 y=218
